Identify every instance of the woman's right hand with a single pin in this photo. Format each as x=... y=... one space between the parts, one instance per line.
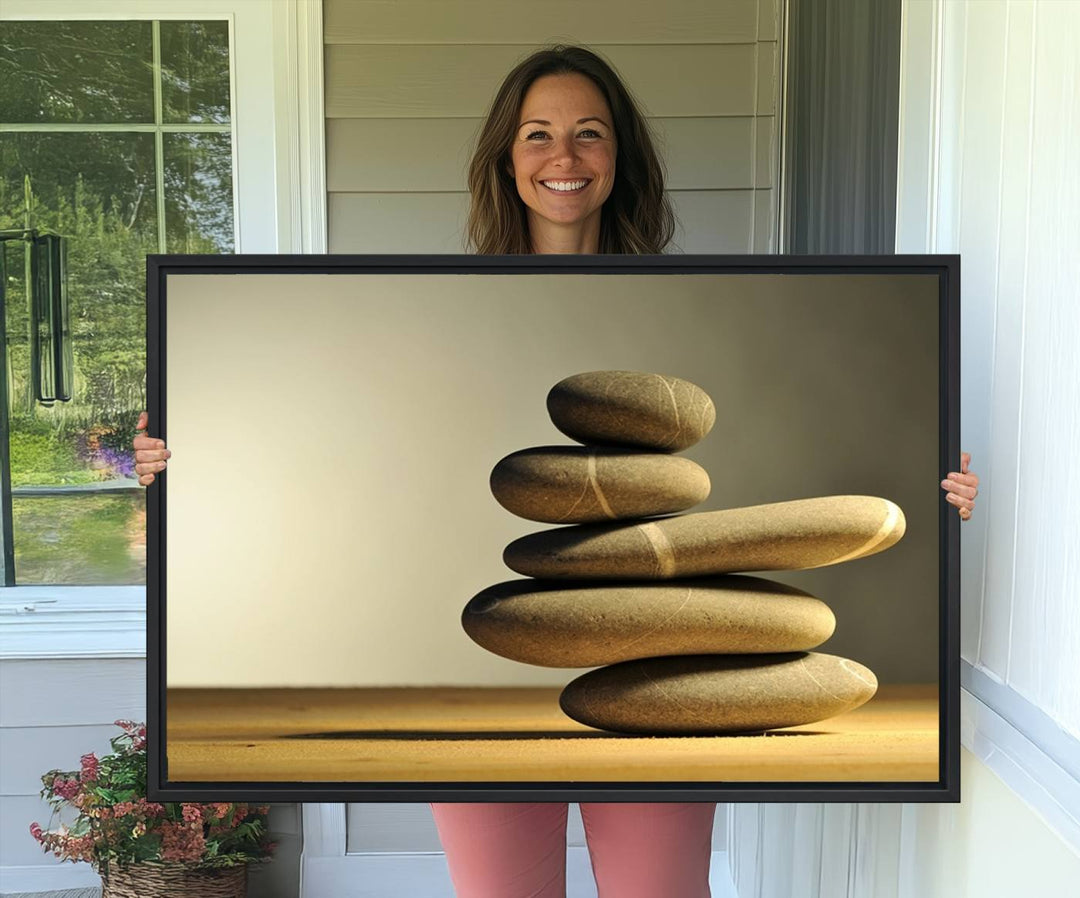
x=150 y=453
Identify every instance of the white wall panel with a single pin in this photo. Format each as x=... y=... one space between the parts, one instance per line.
x=28 y=752
x=979 y=174
x=450 y=80
x=64 y=693
x=17 y=846
x=1045 y=631
x=423 y=154
x=1014 y=214
x=519 y=22
x=397 y=222
x=391 y=826
x=713 y=221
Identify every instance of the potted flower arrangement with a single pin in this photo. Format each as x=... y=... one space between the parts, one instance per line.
x=142 y=848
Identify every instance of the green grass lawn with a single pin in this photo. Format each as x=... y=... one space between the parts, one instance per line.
x=84 y=539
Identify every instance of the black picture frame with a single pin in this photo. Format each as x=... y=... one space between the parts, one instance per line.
x=946 y=270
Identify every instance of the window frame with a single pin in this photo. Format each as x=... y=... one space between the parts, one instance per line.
x=276 y=93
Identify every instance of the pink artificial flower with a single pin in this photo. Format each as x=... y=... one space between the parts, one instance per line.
x=192 y=813
x=35 y=831
x=89 y=768
x=66 y=789
x=181 y=841
x=151 y=808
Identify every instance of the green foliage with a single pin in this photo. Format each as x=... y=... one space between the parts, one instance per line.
x=88 y=539
x=117 y=825
x=41 y=458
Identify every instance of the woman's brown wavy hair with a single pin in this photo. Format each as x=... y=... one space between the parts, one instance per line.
x=636 y=218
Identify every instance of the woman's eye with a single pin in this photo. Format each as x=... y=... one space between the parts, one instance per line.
x=589 y=132
x=533 y=134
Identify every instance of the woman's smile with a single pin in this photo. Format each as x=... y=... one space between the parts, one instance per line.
x=573 y=186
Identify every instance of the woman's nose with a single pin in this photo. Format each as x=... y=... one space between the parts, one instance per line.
x=564 y=150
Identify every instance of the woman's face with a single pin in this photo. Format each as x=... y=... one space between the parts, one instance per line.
x=563 y=154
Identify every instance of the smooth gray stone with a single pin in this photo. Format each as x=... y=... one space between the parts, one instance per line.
x=631 y=408
x=576 y=484
x=715 y=694
x=584 y=624
x=796 y=535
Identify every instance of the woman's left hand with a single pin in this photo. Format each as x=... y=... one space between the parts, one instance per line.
x=961 y=487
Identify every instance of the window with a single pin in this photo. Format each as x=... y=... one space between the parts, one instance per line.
x=116 y=135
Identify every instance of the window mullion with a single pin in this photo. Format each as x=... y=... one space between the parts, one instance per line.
x=159 y=137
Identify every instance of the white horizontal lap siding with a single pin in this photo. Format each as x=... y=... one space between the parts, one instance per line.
x=408 y=83
x=522 y=22
x=51 y=713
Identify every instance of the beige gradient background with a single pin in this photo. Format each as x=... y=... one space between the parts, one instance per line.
x=328 y=510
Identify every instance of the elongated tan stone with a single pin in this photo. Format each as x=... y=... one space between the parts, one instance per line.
x=795 y=535
x=565 y=624
x=575 y=484
x=716 y=694
x=631 y=408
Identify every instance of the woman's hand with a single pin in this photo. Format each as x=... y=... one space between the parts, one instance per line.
x=961 y=487
x=150 y=454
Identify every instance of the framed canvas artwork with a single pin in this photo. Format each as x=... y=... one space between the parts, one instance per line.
x=586 y=528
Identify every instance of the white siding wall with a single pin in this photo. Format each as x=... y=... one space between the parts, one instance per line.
x=53 y=711
x=989 y=150
x=408 y=83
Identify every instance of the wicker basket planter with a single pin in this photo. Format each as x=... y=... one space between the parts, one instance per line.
x=149 y=880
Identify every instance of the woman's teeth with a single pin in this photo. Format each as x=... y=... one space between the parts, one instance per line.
x=564 y=186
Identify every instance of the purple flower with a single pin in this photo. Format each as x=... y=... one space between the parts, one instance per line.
x=119 y=462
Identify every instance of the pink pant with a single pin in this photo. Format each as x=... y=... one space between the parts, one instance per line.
x=649 y=850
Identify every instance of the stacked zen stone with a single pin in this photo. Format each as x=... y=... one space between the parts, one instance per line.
x=682 y=647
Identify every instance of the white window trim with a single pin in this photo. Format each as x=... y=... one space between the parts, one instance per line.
x=280 y=201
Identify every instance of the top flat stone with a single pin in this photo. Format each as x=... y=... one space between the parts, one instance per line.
x=781 y=536
x=631 y=408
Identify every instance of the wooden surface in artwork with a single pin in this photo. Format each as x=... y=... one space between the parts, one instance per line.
x=442 y=734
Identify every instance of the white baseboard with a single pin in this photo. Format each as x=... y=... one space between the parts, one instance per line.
x=426 y=876
x=369 y=876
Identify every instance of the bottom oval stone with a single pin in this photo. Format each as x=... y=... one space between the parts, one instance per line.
x=706 y=695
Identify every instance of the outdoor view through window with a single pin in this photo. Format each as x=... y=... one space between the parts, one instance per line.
x=117 y=136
